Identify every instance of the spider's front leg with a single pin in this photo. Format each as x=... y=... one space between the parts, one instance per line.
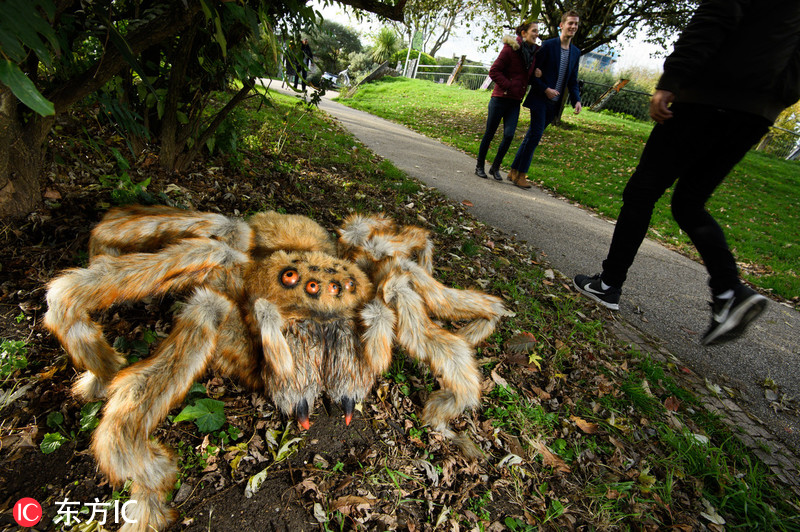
x=72 y=296
x=293 y=355
x=348 y=372
x=140 y=397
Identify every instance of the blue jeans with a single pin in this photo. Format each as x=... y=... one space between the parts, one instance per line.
x=542 y=113
x=696 y=148
x=506 y=110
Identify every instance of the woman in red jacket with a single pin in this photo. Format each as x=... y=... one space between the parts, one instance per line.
x=510 y=72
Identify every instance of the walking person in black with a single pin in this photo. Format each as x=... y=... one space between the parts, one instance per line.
x=304 y=63
x=718 y=96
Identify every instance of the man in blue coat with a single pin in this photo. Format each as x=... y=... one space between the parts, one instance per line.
x=558 y=62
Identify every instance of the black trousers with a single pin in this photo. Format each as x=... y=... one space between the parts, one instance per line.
x=695 y=149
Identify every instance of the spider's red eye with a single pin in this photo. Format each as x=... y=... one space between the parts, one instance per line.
x=334 y=289
x=290 y=278
x=312 y=287
x=349 y=285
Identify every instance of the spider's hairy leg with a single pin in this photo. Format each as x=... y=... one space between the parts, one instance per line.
x=236 y=354
x=372 y=238
x=347 y=374
x=295 y=395
x=447 y=303
x=149 y=228
x=448 y=355
x=379 y=325
x=417 y=240
x=277 y=354
x=140 y=397
x=72 y=296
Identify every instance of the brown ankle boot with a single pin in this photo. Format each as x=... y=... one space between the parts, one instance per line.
x=512 y=175
x=522 y=181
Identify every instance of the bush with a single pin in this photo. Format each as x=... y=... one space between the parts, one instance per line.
x=360 y=64
x=400 y=55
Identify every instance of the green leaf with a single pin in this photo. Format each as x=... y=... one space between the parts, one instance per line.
x=24 y=89
x=121 y=161
x=207 y=414
x=28 y=28
x=219 y=36
x=197 y=388
x=89 y=420
x=55 y=419
x=21 y=23
x=122 y=45
x=51 y=442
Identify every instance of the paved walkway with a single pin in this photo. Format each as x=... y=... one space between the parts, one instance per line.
x=664 y=307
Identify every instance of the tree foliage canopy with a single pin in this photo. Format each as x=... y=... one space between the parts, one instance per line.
x=150 y=66
x=332 y=43
x=602 y=22
x=435 y=20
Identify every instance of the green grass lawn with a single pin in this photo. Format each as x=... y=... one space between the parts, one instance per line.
x=591 y=157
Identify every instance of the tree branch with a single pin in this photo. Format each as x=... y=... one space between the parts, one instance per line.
x=112 y=62
x=381 y=9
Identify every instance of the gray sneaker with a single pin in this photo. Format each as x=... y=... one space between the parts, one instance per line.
x=729 y=317
x=593 y=288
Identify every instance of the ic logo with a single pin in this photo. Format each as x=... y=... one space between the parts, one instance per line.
x=27 y=512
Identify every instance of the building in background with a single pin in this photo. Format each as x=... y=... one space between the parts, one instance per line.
x=601 y=59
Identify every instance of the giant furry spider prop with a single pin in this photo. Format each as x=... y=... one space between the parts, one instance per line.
x=273 y=302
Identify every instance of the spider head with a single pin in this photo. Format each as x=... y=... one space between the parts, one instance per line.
x=309 y=284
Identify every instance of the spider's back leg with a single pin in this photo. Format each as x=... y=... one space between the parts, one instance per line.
x=370 y=239
x=273 y=231
x=72 y=296
x=140 y=228
x=140 y=397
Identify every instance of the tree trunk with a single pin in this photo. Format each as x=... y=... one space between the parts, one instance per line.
x=22 y=145
x=187 y=156
x=170 y=146
x=22 y=151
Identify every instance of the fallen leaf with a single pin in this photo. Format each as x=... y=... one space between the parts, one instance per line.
x=585 y=426
x=551 y=459
x=499 y=380
x=541 y=393
x=521 y=343
x=348 y=503
x=52 y=194
x=672 y=403
x=467 y=203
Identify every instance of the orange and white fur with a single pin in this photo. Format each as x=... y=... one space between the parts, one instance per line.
x=406 y=302
x=270 y=302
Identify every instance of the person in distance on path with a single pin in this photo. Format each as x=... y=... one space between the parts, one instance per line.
x=510 y=72
x=717 y=97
